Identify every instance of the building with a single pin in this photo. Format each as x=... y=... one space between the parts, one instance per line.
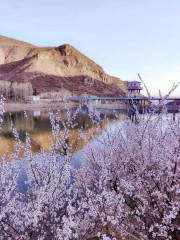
x=134 y=88
x=33 y=98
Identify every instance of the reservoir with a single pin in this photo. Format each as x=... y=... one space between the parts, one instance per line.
x=39 y=127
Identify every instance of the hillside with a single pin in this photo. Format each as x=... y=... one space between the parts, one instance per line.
x=51 y=69
x=13 y=42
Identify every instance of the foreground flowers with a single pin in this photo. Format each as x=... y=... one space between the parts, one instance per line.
x=126 y=188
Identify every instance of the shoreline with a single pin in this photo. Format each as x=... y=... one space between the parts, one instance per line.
x=37 y=106
x=48 y=105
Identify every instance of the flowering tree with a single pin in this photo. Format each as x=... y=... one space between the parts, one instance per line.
x=128 y=185
x=33 y=191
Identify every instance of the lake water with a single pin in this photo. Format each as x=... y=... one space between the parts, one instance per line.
x=38 y=125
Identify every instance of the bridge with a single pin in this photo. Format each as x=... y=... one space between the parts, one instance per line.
x=142 y=102
x=133 y=98
x=121 y=98
x=133 y=94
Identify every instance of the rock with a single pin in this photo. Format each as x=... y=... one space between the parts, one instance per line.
x=53 y=68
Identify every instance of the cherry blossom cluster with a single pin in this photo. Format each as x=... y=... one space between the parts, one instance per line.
x=127 y=187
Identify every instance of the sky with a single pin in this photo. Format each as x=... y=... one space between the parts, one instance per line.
x=123 y=36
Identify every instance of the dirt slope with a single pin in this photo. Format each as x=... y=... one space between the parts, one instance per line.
x=51 y=68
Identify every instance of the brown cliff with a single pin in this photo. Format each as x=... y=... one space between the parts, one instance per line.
x=50 y=69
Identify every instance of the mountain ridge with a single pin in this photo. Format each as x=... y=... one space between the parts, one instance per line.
x=21 y=60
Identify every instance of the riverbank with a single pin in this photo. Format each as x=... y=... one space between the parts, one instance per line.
x=41 y=105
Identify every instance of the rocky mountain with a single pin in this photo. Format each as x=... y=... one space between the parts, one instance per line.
x=51 y=69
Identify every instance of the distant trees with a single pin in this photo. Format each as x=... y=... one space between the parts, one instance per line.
x=15 y=91
x=5 y=87
x=61 y=95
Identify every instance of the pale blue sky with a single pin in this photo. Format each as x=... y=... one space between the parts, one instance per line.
x=123 y=36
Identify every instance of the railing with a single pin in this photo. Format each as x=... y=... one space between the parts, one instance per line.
x=91 y=98
x=173 y=107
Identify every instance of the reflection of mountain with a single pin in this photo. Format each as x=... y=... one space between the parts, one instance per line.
x=23 y=124
x=41 y=140
x=40 y=130
x=19 y=121
x=31 y=123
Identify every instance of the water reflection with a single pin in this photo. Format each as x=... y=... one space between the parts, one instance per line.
x=38 y=125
